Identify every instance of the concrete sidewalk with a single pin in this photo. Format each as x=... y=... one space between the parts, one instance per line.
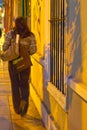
x=9 y=120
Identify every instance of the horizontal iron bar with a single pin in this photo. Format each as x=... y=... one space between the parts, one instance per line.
x=56 y=19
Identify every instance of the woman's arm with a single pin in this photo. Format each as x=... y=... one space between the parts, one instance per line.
x=7 y=41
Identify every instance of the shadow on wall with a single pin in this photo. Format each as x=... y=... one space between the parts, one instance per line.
x=74 y=64
x=74 y=44
x=46 y=74
x=46 y=110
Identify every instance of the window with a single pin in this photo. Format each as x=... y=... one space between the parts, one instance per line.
x=57 y=44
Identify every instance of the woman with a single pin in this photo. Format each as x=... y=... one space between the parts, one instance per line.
x=19 y=81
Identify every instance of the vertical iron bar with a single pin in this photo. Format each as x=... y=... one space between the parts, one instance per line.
x=56 y=70
x=51 y=51
x=56 y=41
x=58 y=46
x=63 y=44
x=61 y=51
x=54 y=45
x=53 y=42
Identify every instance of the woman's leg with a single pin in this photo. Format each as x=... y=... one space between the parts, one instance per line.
x=25 y=90
x=24 y=83
x=15 y=86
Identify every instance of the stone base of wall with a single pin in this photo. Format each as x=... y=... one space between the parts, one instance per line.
x=47 y=120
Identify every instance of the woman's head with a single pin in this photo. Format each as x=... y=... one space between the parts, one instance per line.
x=21 y=26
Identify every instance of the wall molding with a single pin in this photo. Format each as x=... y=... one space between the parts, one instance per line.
x=57 y=95
x=78 y=87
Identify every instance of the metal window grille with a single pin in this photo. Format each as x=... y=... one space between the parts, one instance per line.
x=57 y=43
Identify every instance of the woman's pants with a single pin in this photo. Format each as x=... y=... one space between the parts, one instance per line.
x=19 y=84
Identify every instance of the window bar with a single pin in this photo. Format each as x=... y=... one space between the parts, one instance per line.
x=51 y=46
x=61 y=51
x=60 y=45
x=57 y=45
x=63 y=43
x=54 y=74
x=53 y=42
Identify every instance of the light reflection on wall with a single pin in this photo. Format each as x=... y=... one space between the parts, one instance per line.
x=38 y=24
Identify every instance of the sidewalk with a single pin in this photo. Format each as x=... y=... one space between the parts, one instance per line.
x=9 y=120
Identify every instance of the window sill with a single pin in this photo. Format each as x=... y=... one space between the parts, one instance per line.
x=57 y=95
x=79 y=88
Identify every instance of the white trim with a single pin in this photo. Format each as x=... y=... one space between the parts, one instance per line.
x=79 y=88
x=57 y=95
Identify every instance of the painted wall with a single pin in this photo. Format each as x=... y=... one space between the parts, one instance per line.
x=17 y=8
x=77 y=112
x=77 y=40
x=76 y=63
x=38 y=26
x=40 y=74
x=38 y=18
x=74 y=39
x=84 y=40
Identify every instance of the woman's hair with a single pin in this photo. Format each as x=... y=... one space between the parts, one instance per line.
x=21 y=27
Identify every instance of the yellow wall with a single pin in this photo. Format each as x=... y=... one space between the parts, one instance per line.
x=76 y=44
x=84 y=39
x=77 y=63
x=77 y=112
x=37 y=25
x=76 y=60
x=40 y=25
x=17 y=8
